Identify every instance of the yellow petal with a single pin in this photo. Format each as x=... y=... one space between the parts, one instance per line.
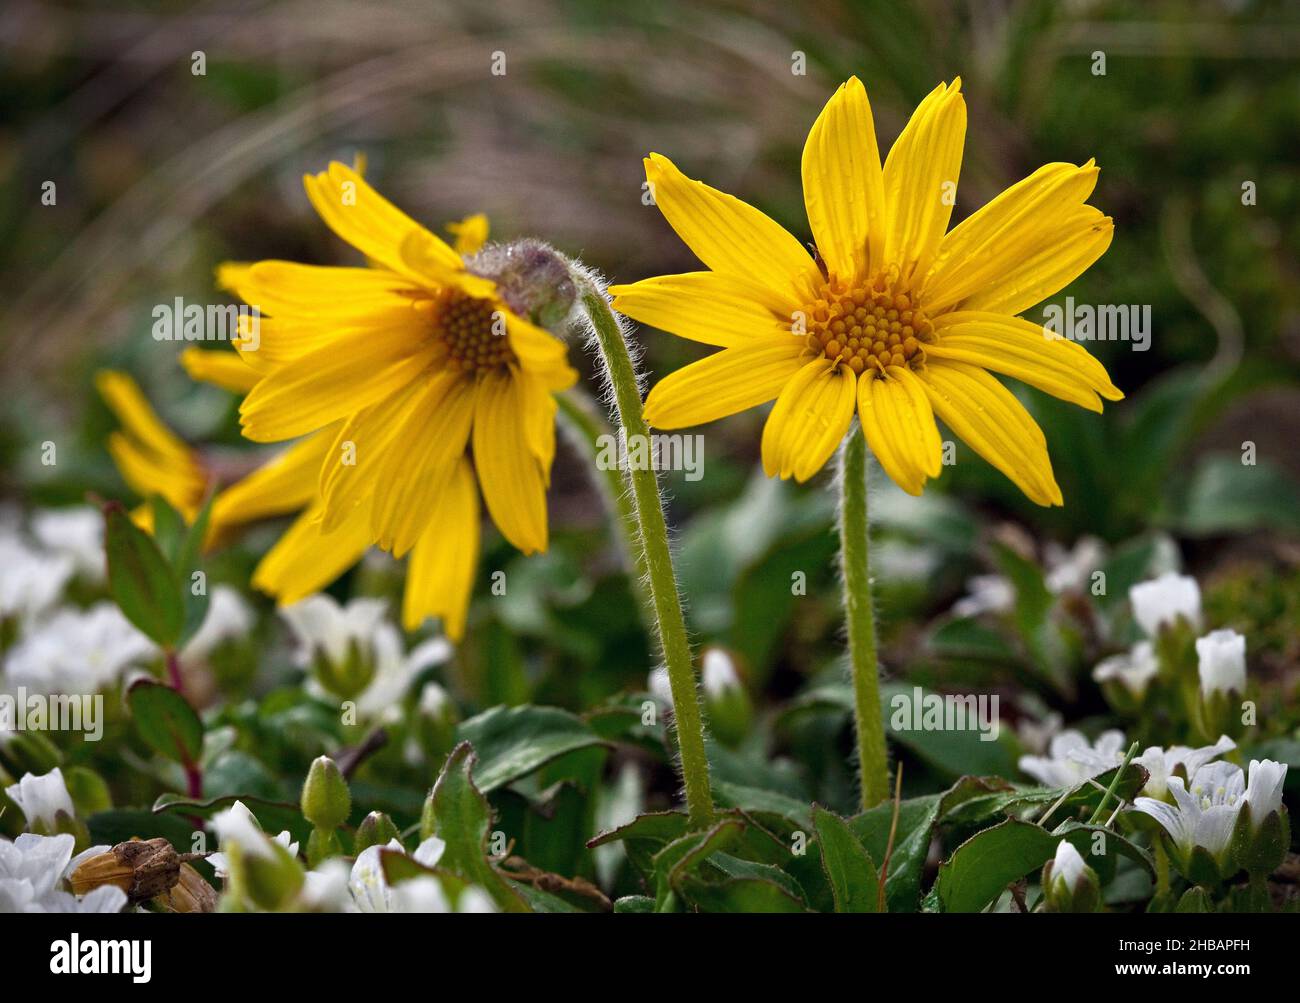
x=306 y=559
x=350 y=471
x=376 y=227
x=352 y=372
x=843 y=185
x=288 y=289
x=809 y=420
x=140 y=421
x=1025 y=351
x=1017 y=224
x=221 y=368
x=440 y=576
x=413 y=471
x=540 y=353
x=727 y=382
x=732 y=237
x=539 y=421
x=181 y=484
x=991 y=421
x=286 y=483
x=899 y=425
x=471 y=233
x=1080 y=240
x=921 y=180
x=709 y=307
x=511 y=475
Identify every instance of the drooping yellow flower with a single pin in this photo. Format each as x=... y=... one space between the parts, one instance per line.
x=896 y=318
x=435 y=386
x=153 y=460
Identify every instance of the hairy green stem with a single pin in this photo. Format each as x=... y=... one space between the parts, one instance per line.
x=648 y=505
x=590 y=429
x=855 y=564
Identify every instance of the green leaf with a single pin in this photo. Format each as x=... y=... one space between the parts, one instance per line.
x=954 y=751
x=140 y=580
x=917 y=818
x=168 y=528
x=272 y=816
x=1227 y=496
x=166 y=721
x=188 y=559
x=759 y=802
x=1031 y=613
x=645 y=836
x=512 y=742
x=966 y=637
x=985 y=864
x=676 y=861
x=120 y=825
x=849 y=868
x=462 y=820
x=744 y=895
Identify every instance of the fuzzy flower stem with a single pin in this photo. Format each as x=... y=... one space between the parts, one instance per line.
x=868 y=720
x=589 y=430
x=658 y=558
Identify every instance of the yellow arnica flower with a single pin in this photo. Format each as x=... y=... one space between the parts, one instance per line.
x=895 y=318
x=431 y=383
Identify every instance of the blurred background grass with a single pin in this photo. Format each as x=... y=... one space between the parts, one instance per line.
x=162 y=173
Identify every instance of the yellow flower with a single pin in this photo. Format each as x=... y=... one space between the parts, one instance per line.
x=151 y=458
x=895 y=318
x=412 y=363
x=154 y=461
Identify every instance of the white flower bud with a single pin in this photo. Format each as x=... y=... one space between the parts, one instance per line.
x=1221 y=656
x=1163 y=600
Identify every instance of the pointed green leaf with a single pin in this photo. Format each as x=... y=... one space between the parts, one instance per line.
x=166 y=721
x=140 y=579
x=849 y=868
x=463 y=820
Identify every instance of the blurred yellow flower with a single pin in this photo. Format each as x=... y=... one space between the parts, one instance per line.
x=896 y=318
x=432 y=387
x=153 y=460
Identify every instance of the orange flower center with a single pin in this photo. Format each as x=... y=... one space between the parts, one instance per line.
x=473 y=330
x=866 y=327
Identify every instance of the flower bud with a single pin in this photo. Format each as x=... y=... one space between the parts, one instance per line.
x=326 y=801
x=345 y=677
x=728 y=705
x=376 y=829
x=259 y=871
x=532 y=278
x=1221 y=662
x=1163 y=601
x=1262 y=834
x=1069 y=884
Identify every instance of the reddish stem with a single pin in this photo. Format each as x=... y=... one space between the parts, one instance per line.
x=194 y=781
x=174 y=671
